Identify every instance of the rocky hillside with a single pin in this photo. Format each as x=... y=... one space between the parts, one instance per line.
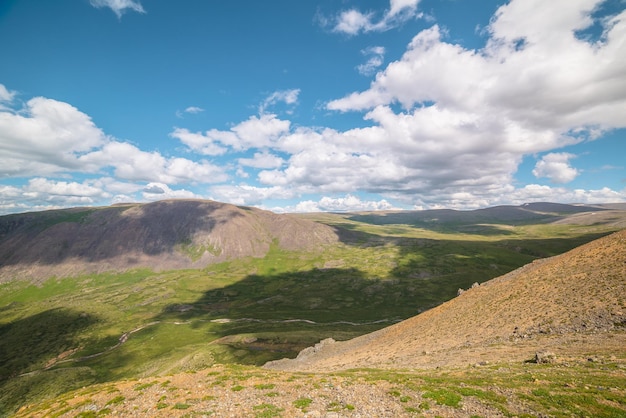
x=570 y=305
x=162 y=235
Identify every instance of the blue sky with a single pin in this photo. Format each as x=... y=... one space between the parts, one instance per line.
x=311 y=105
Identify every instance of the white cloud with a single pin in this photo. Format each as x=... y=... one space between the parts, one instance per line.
x=256 y=132
x=119 y=6
x=556 y=167
x=245 y=194
x=6 y=96
x=46 y=136
x=41 y=186
x=353 y=22
x=538 y=193
x=160 y=191
x=198 y=142
x=470 y=116
x=289 y=97
x=44 y=194
x=349 y=203
x=376 y=58
x=194 y=109
x=262 y=160
x=131 y=163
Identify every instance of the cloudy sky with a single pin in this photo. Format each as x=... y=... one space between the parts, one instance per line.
x=312 y=105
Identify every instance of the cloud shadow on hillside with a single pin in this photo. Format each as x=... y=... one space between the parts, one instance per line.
x=478 y=222
x=29 y=345
x=95 y=235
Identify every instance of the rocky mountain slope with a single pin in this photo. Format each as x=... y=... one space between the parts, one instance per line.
x=571 y=304
x=161 y=235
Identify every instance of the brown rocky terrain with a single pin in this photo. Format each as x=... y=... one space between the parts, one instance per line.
x=162 y=235
x=571 y=304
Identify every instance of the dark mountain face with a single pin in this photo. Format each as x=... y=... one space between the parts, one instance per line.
x=162 y=235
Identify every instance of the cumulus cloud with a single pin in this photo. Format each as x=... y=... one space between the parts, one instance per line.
x=244 y=194
x=466 y=119
x=536 y=193
x=39 y=186
x=198 y=142
x=43 y=194
x=556 y=167
x=256 y=132
x=353 y=21
x=44 y=137
x=160 y=191
x=469 y=116
x=375 y=59
x=262 y=160
x=348 y=203
x=131 y=163
x=119 y=7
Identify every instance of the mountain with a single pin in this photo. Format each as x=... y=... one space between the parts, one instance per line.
x=571 y=304
x=165 y=235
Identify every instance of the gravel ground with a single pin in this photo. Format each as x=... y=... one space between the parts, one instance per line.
x=222 y=392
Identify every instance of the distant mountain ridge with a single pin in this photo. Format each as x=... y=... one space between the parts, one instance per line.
x=573 y=303
x=193 y=233
x=171 y=234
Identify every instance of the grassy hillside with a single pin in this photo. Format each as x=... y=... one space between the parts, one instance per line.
x=67 y=333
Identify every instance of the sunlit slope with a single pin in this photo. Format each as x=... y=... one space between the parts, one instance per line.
x=572 y=303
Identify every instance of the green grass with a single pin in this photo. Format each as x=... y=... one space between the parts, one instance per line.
x=302 y=403
x=443 y=397
x=384 y=273
x=266 y=410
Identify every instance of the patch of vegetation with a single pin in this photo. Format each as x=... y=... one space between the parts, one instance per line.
x=143 y=386
x=117 y=400
x=266 y=410
x=68 y=215
x=302 y=403
x=195 y=252
x=443 y=397
x=262 y=386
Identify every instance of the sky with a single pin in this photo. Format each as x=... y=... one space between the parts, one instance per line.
x=312 y=105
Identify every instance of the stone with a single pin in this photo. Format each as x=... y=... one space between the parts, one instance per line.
x=545 y=357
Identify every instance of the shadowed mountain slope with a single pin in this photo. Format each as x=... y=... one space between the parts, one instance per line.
x=163 y=235
x=572 y=304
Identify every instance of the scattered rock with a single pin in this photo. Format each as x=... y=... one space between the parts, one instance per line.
x=545 y=357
